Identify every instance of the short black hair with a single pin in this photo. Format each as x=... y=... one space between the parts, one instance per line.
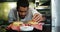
x=23 y=3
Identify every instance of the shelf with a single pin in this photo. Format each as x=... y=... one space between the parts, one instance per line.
x=42 y=7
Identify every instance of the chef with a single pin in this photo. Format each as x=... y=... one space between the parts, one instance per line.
x=24 y=13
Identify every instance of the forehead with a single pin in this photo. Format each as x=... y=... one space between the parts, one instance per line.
x=23 y=8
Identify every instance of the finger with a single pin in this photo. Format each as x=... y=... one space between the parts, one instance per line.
x=37 y=18
x=40 y=20
x=34 y=16
x=9 y=26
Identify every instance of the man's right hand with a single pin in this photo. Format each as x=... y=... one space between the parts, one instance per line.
x=13 y=27
x=17 y=28
x=9 y=27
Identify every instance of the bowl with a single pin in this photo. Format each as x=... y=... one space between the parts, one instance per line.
x=26 y=28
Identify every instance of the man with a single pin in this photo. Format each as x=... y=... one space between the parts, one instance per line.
x=24 y=13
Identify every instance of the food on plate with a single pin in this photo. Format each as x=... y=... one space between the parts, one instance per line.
x=32 y=22
x=17 y=23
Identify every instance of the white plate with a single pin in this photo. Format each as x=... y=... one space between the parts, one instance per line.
x=26 y=28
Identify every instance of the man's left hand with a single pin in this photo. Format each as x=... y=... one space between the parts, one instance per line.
x=37 y=17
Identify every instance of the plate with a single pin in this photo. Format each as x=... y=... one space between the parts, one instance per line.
x=26 y=28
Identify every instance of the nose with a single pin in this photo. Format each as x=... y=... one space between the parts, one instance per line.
x=23 y=13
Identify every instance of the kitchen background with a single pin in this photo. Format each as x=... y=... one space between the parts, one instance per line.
x=43 y=6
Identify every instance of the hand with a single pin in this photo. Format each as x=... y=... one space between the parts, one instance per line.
x=16 y=28
x=9 y=27
x=13 y=27
x=37 y=17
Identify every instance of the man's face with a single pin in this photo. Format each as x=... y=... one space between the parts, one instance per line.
x=22 y=11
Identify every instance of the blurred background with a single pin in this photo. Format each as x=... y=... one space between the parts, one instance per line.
x=42 y=6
